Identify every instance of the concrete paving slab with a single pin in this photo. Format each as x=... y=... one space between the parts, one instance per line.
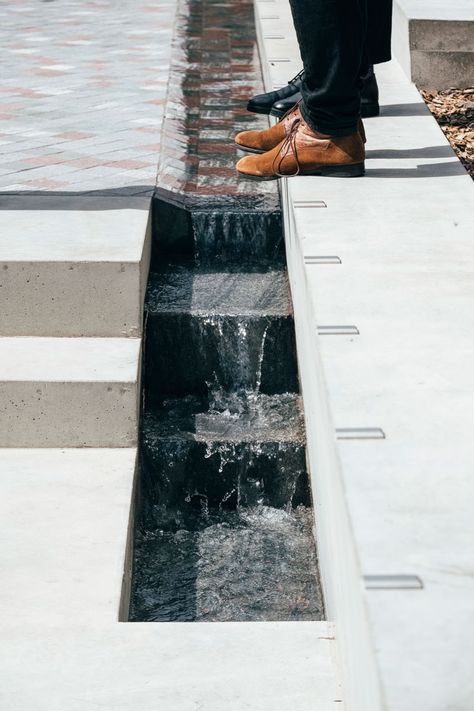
x=68 y=392
x=181 y=667
x=64 y=518
x=75 y=82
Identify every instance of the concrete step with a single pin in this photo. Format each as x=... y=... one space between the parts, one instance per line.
x=232 y=329
x=73 y=266
x=434 y=41
x=69 y=392
x=227 y=229
x=226 y=453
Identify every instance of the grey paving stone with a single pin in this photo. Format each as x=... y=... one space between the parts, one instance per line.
x=93 y=70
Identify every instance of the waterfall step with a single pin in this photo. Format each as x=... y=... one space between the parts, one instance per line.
x=233 y=452
x=254 y=564
x=240 y=229
x=233 y=328
x=185 y=289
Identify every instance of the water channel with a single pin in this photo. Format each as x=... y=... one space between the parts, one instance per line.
x=223 y=512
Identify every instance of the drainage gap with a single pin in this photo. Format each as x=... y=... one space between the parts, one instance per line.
x=223 y=511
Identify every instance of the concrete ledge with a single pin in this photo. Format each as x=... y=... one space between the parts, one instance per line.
x=69 y=392
x=267 y=666
x=392 y=255
x=73 y=266
x=434 y=42
x=63 y=558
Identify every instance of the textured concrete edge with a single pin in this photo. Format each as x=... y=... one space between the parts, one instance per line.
x=125 y=593
x=145 y=262
x=339 y=563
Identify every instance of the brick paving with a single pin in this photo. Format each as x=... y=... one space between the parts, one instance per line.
x=214 y=70
x=82 y=94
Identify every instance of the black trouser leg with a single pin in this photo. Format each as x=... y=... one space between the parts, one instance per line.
x=332 y=39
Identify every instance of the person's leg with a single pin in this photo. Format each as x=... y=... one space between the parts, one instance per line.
x=332 y=40
x=379 y=30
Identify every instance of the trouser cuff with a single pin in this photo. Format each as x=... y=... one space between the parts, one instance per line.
x=328 y=128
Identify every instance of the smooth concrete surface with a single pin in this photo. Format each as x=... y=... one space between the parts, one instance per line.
x=267 y=666
x=456 y=10
x=73 y=266
x=398 y=506
x=62 y=647
x=63 y=521
x=433 y=41
x=69 y=392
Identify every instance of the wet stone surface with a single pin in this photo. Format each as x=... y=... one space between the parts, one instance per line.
x=202 y=208
x=214 y=70
x=237 y=329
x=254 y=564
x=185 y=289
x=235 y=452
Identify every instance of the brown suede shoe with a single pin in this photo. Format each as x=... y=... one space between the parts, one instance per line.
x=305 y=152
x=263 y=141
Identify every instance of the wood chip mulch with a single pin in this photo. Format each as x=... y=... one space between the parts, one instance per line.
x=454 y=111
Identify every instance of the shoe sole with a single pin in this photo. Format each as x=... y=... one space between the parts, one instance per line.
x=326 y=171
x=247 y=149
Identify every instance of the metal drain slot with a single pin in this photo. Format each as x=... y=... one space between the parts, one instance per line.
x=360 y=433
x=393 y=582
x=309 y=203
x=338 y=330
x=322 y=259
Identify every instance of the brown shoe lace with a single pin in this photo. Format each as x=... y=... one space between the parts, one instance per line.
x=288 y=145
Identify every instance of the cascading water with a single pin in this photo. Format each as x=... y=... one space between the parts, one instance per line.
x=223 y=516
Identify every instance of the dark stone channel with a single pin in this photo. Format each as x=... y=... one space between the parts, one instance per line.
x=223 y=510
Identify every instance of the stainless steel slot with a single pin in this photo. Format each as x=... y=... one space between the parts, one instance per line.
x=360 y=433
x=338 y=330
x=393 y=582
x=322 y=259
x=309 y=203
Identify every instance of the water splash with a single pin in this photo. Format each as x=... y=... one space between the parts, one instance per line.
x=254 y=564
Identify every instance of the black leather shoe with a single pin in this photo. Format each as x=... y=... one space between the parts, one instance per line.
x=263 y=103
x=369 y=98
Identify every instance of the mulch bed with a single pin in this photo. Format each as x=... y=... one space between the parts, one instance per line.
x=454 y=111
